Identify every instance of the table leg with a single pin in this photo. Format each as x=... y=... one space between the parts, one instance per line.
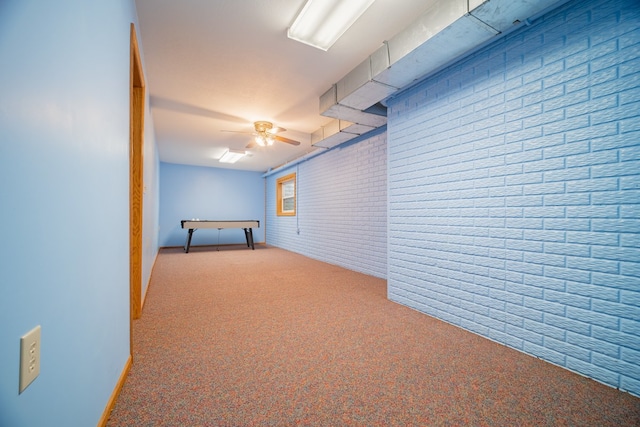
x=251 y=238
x=246 y=236
x=188 y=243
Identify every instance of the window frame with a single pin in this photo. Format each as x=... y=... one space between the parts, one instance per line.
x=280 y=182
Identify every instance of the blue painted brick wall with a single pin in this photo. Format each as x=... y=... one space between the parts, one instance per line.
x=341 y=207
x=514 y=191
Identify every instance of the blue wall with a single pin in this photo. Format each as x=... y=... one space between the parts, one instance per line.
x=341 y=207
x=151 y=197
x=64 y=205
x=188 y=192
x=514 y=192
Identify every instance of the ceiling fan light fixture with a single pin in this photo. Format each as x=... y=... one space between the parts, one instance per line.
x=232 y=156
x=321 y=23
x=263 y=139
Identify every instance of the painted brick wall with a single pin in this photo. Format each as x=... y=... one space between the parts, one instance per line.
x=341 y=208
x=514 y=192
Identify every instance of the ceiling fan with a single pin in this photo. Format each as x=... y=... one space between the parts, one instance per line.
x=265 y=134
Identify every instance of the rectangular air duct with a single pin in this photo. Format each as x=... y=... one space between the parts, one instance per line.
x=503 y=15
x=330 y=107
x=358 y=89
x=336 y=132
x=445 y=32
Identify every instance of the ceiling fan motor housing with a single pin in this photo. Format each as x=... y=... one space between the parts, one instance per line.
x=263 y=126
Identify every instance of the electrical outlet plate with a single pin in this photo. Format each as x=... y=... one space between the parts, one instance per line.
x=29 y=357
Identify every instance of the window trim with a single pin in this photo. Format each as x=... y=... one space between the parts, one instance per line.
x=279 y=199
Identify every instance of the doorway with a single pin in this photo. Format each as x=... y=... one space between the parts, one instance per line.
x=136 y=184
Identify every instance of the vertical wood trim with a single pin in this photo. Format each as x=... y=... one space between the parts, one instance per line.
x=136 y=185
x=114 y=395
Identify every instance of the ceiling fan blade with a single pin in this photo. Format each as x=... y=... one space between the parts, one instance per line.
x=287 y=140
x=276 y=129
x=235 y=131
x=251 y=145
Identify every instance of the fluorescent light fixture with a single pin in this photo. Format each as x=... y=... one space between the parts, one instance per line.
x=232 y=156
x=322 y=22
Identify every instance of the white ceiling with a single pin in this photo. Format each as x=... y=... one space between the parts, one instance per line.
x=220 y=65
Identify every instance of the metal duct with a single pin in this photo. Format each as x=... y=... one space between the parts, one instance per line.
x=330 y=107
x=446 y=31
x=336 y=132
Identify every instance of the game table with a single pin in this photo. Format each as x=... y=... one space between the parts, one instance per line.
x=194 y=224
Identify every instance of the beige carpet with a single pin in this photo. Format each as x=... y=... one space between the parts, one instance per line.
x=235 y=337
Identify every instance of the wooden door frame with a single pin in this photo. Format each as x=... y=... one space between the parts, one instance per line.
x=136 y=182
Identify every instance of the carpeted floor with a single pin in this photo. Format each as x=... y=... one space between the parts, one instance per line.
x=270 y=338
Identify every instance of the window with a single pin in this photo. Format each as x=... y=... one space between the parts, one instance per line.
x=286 y=194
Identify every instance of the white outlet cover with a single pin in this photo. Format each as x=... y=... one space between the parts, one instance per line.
x=29 y=357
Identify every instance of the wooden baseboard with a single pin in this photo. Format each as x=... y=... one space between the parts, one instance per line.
x=116 y=392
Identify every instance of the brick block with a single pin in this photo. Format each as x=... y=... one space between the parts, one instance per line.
x=567 y=224
x=629 y=138
x=630 y=326
x=545 y=259
x=616 y=310
x=630 y=182
x=567 y=249
x=594 y=345
x=618 y=281
x=591 y=264
x=628 y=384
x=545 y=306
x=599 y=292
x=544 y=212
x=544 y=330
x=545 y=282
x=545 y=353
x=616 y=225
x=594 y=238
x=593 y=371
x=630 y=240
x=575 y=199
x=567 y=299
x=524 y=290
x=616 y=254
x=592 y=159
x=524 y=312
x=618 y=338
x=575 y=173
x=606 y=211
x=630 y=356
x=615 y=198
x=617 y=365
x=616 y=170
x=568 y=324
x=545 y=165
x=525 y=335
x=545 y=235
x=490 y=323
x=630 y=298
x=569 y=149
x=570 y=350
x=567 y=274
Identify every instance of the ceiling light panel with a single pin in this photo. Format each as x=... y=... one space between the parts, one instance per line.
x=232 y=156
x=322 y=22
